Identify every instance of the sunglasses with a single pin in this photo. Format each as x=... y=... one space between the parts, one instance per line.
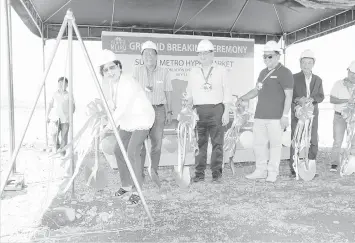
x=111 y=68
x=268 y=56
x=204 y=53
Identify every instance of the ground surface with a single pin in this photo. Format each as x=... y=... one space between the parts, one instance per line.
x=238 y=210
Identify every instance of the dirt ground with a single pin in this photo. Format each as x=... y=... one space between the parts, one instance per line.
x=238 y=210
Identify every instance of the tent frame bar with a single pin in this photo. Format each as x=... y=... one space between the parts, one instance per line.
x=238 y=16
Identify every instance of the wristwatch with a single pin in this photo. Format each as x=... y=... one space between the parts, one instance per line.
x=170 y=112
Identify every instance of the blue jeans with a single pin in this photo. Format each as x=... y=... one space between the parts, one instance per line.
x=339 y=128
x=132 y=142
x=156 y=137
x=210 y=125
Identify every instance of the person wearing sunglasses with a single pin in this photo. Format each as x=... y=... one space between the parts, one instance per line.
x=208 y=90
x=274 y=92
x=156 y=83
x=133 y=115
x=307 y=86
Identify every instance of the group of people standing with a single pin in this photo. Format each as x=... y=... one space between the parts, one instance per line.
x=141 y=105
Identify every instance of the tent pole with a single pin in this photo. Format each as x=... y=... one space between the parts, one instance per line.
x=7 y=170
x=44 y=89
x=284 y=47
x=10 y=80
x=110 y=117
x=70 y=79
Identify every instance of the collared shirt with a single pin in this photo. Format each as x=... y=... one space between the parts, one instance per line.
x=60 y=104
x=159 y=80
x=340 y=91
x=220 y=91
x=271 y=97
x=308 y=83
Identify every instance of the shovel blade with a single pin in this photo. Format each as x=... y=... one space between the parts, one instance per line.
x=306 y=172
x=182 y=178
x=153 y=175
x=99 y=181
x=349 y=167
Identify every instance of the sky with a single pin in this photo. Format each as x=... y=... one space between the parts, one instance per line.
x=334 y=52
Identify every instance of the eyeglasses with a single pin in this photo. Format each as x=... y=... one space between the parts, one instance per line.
x=268 y=56
x=204 y=53
x=111 y=68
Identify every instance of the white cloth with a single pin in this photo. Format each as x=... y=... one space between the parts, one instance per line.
x=218 y=79
x=340 y=91
x=133 y=109
x=60 y=104
x=308 y=83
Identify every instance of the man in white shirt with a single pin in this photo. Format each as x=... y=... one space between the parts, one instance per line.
x=340 y=95
x=209 y=92
x=59 y=116
x=308 y=85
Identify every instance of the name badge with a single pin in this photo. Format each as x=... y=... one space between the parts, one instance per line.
x=273 y=76
x=159 y=82
x=207 y=87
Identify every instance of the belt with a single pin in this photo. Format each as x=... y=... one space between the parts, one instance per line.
x=209 y=105
x=337 y=113
x=156 y=106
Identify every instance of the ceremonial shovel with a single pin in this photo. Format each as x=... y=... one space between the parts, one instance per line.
x=182 y=173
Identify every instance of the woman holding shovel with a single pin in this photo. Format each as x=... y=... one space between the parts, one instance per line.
x=134 y=115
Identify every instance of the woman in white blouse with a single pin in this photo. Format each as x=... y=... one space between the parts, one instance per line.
x=133 y=114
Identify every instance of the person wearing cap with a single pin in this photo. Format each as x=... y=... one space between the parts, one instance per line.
x=134 y=115
x=156 y=82
x=306 y=86
x=274 y=92
x=208 y=90
x=58 y=118
x=340 y=95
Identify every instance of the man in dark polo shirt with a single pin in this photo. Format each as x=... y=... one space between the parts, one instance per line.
x=274 y=92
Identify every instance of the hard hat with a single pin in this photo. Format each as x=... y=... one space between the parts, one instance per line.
x=351 y=68
x=205 y=45
x=308 y=54
x=272 y=46
x=107 y=56
x=149 y=45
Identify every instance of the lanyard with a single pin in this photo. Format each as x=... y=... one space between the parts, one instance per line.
x=269 y=73
x=208 y=75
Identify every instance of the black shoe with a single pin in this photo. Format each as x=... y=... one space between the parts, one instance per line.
x=333 y=168
x=293 y=174
x=217 y=177
x=198 y=178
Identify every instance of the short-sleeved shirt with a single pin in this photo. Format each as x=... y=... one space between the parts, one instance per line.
x=271 y=97
x=60 y=110
x=220 y=91
x=340 y=91
x=159 y=80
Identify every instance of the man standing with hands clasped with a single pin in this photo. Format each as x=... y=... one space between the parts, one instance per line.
x=274 y=91
x=208 y=90
x=307 y=86
x=156 y=82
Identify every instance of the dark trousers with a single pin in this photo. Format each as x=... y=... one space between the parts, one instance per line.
x=132 y=142
x=210 y=126
x=313 y=148
x=63 y=129
x=156 y=137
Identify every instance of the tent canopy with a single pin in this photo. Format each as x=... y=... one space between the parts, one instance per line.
x=296 y=20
